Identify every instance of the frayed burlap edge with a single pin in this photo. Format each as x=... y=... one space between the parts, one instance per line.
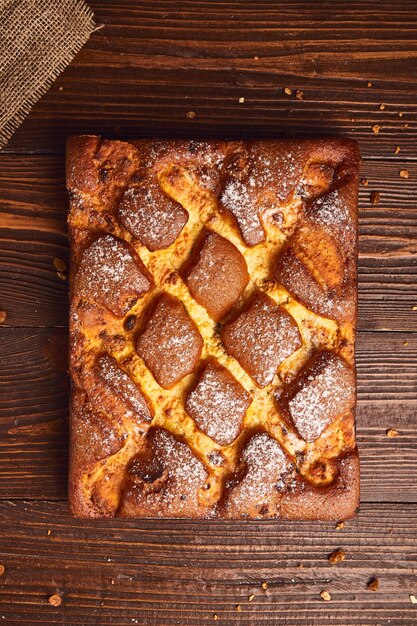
x=50 y=42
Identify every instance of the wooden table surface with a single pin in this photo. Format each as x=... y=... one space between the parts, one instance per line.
x=154 y=61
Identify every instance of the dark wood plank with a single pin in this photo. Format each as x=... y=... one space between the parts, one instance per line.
x=154 y=61
x=138 y=76
x=184 y=572
x=33 y=414
x=33 y=232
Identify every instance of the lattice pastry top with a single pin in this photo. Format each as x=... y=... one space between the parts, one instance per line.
x=213 y=306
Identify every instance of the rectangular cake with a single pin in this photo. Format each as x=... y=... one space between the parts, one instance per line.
x=212 y=328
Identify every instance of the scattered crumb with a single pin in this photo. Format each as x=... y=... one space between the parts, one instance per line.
x=373 y=584
x=3 y=316
x=413 y=599
x=264 y=586
x=404 y=173
x=112 y=581
x=54 y=600
x=392 y=432
x=288 y=91
x=414 y=308
x=2 y=568
x=190 y=115
x=400 y=114
x=61 y=275
x=369 y=84
x=376 y=128
x=364 y=182
x=60 y=264
x=300 y=565
x=340 y=525
x=326 y=596
x=382 y=107
x=215 y=617
x=238 y=608
x=60 y=89
x=405 y=125
x=241 y=100
x=375 y=197
x=405 y=343
x=397 y=149
x=49 y=532
x=255 y=58
x=337 y=556
x=299 y=94
x=251 y=597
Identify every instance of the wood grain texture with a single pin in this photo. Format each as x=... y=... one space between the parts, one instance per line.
x=34 y=404
x=138 y=76
x=154 y=61
x=184 y=572
x=33 y=232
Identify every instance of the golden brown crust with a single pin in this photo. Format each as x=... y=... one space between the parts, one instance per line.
x=213 y=312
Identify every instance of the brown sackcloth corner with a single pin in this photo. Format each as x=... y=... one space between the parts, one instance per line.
x=38 y=39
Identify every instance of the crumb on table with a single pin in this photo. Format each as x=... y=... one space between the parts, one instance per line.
x=337 y=556
x=54 y=600
x=375 y=198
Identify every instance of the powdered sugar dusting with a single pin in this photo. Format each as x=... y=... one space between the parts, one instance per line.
x=151 y=216
x=201 y=158
x=277 y=170
x=261 y=338
x=208 y=158
x=97 y=429
x=269 y=472
x=182 y=464
x=332 y=212
x=170 y=344
x=122 y=384
x=218 y=404
x=110 y=275
x=326 y=395
x=240 y=202
x=294 y=275
x=331 y=209
x=186 y=474
x=219 y=276
x=267 y=173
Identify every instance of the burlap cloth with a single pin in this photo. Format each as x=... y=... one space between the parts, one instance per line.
x=38 y=39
